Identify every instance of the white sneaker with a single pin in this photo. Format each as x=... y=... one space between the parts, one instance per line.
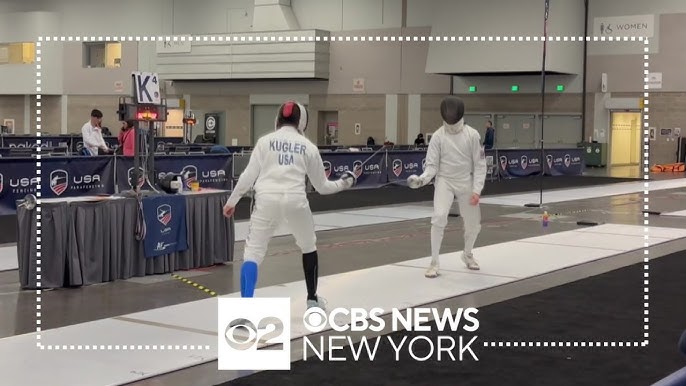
x=469 y=261
x=432 y=272
x=319 y=303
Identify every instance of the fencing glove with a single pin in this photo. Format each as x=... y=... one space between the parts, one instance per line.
x=415 y=182
x=349 y=180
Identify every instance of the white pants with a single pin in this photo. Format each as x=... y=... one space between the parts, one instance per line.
x=271 y=210
x=444 y=195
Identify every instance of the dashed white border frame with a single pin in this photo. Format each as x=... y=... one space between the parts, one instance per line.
x=272 y=38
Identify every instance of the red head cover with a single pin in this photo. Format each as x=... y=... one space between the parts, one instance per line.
x=288 y=109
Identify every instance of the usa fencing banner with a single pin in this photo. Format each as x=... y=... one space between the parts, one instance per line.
x=77 y=143
x=564 y=162
x=17 y=179
x=71 y=177
x=60 y=177
x=161 y=143
x=173 y=140
x=165 y=224
x=402 y=164
x=124 y=173
x=31 y=141
x=74 y=142
x=519 y=163
x=211 y=171
x=370 y=175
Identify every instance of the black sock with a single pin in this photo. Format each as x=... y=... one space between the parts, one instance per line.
x=311 y=269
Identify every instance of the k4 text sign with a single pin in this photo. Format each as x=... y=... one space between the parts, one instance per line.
x=146 y=88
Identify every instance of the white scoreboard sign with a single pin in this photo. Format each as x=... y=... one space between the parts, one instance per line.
x=146 y=87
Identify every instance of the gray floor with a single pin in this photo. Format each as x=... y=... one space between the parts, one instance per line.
x=340 y=251
x=628 y=171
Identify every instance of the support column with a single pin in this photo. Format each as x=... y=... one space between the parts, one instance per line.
x=414 y=117
x=187 y=104
x=65 y=114
x=601 y=119
x=392 y=118
x=28 y=124
x=186 y=110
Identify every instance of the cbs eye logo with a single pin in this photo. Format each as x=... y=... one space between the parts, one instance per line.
x=315 y=319
x=267 y=330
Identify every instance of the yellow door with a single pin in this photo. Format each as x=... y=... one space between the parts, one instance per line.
x=625 y=138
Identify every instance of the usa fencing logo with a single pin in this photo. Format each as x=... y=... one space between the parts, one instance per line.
x=524 y=162
x=189 y=174
x=357 y=168
x=568 y=160
x=549 y=159
x=503 y=162
x=327 y=169
x=423 y=164
x=164 y=214
x=254 y=334
x=59 y=181
x=202 y=173
x=141 y=177
x=397 y=167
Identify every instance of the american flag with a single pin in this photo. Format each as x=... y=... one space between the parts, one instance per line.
x=357 y=169
x=58 y=184
x=397 y=167
x=164 y=214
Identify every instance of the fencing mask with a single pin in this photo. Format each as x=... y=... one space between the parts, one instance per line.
x=302 y=125
x=292 y=114
x=452 y=111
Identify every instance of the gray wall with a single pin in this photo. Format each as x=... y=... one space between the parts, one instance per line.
x=625 y=71
x=604 y=8
x=493 y=18
x=80 y=80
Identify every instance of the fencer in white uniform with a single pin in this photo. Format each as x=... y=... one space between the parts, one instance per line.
x=457 y=161
x=278 y=166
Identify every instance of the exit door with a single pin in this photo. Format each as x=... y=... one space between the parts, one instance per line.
x=625 y=140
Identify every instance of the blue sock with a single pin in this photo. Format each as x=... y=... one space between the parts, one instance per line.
x=248 y=279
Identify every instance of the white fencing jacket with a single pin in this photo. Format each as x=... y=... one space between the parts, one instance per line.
x=456 y=156
x=280 y=162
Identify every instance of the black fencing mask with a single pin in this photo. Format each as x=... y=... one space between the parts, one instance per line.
x=452 y=110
